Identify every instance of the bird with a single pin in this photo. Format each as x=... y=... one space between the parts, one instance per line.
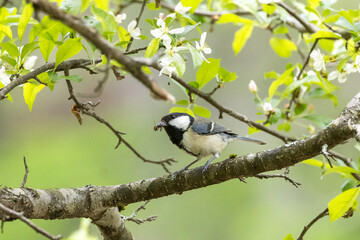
x=198 y=137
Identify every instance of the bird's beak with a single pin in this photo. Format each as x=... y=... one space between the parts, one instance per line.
x=160 y=125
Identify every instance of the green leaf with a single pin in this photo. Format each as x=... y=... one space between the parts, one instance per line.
x=233 y=18
x=146 y=69
x=202 y=111
x=316 y=163
x=102 y=4
x=289 y=237
x=207 y=71
x=344 y=171
x=9 y=60
x=71 y=6
x=241 y=36
x=30 y=90
x=69 y=48
x=281 y=30
x=321 y=121
x=300 y=108
x=348 y=184
x=196 y=56
x=271 y=74
x=275 y=117
x=327 y=85
x=226 y=76
x=152 y=6
x=187 y=29
x=191 y=3
x=269 y=8
x=5 y=30
x=284 y=78
x=11 y=48
x=183 y=102
x=28 y=48
x=124 y=36
x=152 y=48
x=45 y=77
x=325 y=34
x=24 y=19
x=107 y=21
x=283 y=47
x=342 y=203
x=182 y=110
x=46 y=46
x=284 y=126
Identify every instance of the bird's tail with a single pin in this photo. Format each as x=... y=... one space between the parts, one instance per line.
x=250 y=140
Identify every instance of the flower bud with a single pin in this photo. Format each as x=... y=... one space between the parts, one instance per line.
x=252 y=86
x=267 y=107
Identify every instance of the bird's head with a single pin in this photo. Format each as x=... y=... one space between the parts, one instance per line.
x=179 y=121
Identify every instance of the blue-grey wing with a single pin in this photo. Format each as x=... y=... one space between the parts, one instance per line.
x=205 y=127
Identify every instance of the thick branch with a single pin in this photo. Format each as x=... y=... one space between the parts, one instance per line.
x=92 y=201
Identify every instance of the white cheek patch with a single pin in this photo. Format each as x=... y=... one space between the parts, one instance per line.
x=182 y=122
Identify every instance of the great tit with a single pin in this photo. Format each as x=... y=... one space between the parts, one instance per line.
x=198 y=137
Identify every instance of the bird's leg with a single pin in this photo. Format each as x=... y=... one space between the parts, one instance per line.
x=216 y=155
x=186 y=167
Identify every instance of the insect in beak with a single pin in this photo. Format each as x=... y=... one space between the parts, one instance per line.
x=160 y=125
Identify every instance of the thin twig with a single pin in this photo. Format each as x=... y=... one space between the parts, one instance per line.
x=307 y=227
x=21 y=217
x=327 y=155
x=88 y=109
x=26 y=173
x=137 y=23
x=135 y=51
x=139 y=221
x=266 y=176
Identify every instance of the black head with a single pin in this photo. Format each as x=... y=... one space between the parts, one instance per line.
x=175 y=125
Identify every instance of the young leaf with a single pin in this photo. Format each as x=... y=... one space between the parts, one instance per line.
x=284 y=126
x=152 y=48
x=69 y=48
x=191 y=3
x=233 y=18
x=28 y=48
x=30 y=90
x=207 y=71
x=24 y=19
x=182 y=110
x=284 y=78
x=283 y=47
x=226 y=76
x=196 y=57
x=289 y=237
x=202 y=111
x=241 y=36
x=71 y=6
x=11 y=48
x=321 y=121
x=46 y=46
x=342 y=203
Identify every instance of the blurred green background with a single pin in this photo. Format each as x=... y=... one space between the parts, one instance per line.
x=61 y=153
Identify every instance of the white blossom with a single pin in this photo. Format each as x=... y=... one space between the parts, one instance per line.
x=120 y=17
x=202 y=46
x=4 y=77
x=133 y=30
x=252 y=86
x=171 y=56
x=30 y=63
x=267 y=107
x=357 y=64
x=318 y=58
x=163 y=31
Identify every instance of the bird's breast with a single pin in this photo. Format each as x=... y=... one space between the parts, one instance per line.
x=202 y=145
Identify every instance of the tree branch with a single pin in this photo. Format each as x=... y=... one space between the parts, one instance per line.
x=28 y=222
x=89 y=202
